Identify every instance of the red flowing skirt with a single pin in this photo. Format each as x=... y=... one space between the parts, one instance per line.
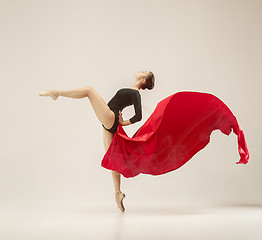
x=179 y=127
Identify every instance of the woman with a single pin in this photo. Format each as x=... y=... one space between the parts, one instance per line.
x=179 y=127
x=110 y=114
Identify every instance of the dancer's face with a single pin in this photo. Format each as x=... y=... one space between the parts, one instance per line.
x=141 y=75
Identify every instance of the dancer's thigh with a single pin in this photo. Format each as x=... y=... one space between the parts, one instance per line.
x=107 y=138
x=104 y=114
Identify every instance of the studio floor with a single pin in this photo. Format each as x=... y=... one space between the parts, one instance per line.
x=144 y=222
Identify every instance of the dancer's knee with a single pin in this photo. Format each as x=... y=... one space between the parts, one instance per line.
x=115 y=172
x=89 y=89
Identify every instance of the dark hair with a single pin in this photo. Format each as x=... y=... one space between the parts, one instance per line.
x=150 y=81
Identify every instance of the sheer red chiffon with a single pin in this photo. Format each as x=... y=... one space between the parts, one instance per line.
x=179 y=127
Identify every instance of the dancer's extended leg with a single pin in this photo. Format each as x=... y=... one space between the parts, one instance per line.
x=119 y=196
x=104 y=114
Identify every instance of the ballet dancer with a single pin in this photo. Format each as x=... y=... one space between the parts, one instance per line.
x=109 y=114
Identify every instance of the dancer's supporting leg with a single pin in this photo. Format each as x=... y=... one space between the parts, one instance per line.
x=119 y=196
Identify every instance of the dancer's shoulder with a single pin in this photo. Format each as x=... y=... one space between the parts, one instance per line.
x=129 y=90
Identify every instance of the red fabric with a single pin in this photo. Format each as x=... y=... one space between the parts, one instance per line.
x=179 y=127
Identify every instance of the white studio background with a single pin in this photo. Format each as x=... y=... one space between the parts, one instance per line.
x=51 y=151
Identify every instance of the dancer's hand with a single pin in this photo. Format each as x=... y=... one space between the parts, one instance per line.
x=121 y=121
x=120 y=118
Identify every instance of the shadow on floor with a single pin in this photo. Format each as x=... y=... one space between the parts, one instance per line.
x=242 y=205
x=168 y=210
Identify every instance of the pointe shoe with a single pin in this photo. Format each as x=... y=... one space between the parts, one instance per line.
x=49 y=93
x=119 y=201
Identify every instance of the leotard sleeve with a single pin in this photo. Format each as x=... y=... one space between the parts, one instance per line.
x=136 y=99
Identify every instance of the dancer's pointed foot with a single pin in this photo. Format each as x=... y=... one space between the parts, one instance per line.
x=119 y=196
x=50 y=93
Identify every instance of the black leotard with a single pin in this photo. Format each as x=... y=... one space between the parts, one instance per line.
x=123 y=98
